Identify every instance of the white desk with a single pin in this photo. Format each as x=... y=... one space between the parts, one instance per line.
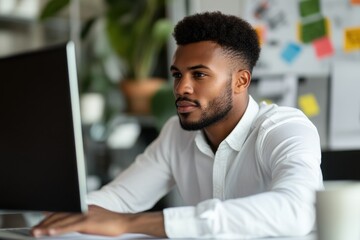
x=139 y=236
x=77 y=236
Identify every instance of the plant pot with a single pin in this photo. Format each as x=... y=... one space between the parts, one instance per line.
x=138 y=94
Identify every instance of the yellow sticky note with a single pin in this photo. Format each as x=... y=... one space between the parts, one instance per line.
x=309 y=105
x=328 y=27
x=351 y=39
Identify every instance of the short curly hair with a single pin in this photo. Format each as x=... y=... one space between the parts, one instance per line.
x=236 y=36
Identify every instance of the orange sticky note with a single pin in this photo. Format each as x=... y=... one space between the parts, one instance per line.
x=351 y=39
x=260 y=31
x=355 y=2
x=309 y=105
x=323 y=47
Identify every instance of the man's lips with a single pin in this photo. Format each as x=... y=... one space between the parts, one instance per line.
x=185 y=106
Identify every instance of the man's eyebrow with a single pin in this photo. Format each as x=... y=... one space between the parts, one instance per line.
x=173 y=68
x=197 y=67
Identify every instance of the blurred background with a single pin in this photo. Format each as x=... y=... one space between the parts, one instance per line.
x=310 y=60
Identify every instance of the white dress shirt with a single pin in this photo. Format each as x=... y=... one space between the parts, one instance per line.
x=261 y=181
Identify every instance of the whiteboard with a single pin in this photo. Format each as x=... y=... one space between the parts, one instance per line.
x=340 y=15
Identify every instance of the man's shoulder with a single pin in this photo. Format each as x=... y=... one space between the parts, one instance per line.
x=270 y=110
x=272 y=114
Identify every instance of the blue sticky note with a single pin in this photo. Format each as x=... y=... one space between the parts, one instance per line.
x=290 y=52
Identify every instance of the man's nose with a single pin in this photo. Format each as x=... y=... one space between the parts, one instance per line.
x=183 y=86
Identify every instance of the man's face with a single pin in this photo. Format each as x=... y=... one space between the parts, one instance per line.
x=202 y=84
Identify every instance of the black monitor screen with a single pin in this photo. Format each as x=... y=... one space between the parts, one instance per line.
x=38 y=159
x=341 y=164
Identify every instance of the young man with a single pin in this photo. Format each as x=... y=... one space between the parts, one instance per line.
x=244 y=170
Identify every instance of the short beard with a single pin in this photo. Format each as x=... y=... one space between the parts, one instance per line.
x=216 y=111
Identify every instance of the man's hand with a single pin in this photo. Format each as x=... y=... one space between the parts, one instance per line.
x=100 y=221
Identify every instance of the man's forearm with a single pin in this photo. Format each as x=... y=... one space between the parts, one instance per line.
x=100 y=221
x=149 y=223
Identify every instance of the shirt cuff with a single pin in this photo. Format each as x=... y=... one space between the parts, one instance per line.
x=180 y=222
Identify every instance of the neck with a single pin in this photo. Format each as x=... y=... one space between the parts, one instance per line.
x=218 y=131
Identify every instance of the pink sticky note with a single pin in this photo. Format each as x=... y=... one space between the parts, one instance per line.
x=323 y=47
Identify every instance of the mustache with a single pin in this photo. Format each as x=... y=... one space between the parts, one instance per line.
x=188 y=100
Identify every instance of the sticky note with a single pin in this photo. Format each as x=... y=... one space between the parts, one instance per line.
x=327 y=27
x=351 y=39
x=312 y=30
x=260 y=31
x=291 y=52
x=355 y=2
x=309 y=7
x=323 y=47
x=309 y=105
x=299 y=29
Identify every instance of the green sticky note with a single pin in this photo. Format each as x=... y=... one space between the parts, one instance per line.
x=309 y=7
x=313 y=30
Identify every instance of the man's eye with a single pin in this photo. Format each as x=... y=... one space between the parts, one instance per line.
x=176 y=75
x=199 y=74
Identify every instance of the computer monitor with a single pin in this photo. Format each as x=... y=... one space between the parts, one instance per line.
x=341 y=164
x=42 y=164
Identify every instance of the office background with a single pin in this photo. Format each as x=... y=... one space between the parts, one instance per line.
x=310 y=60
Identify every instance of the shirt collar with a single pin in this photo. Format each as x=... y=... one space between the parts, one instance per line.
x=241 y=131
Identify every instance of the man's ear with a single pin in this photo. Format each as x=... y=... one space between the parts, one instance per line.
x=242 y=80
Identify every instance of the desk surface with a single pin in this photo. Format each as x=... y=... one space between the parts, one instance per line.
x=140 y=236
x=77 y=236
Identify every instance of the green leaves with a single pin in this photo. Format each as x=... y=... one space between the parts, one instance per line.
x=160 y=32
x=163 y=105
x=87 y=27
x=136 y=30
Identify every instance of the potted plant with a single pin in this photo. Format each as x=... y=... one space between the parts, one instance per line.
x=137 y=32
